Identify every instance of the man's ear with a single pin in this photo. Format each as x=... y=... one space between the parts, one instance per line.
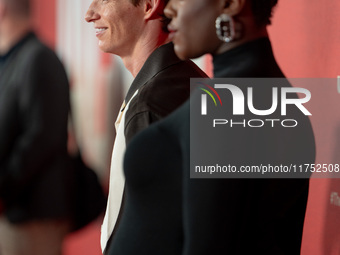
x=153 y=9
x=232 y=7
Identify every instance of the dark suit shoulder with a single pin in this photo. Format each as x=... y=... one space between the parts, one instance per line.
x=41 y=65
x=160 y=95
x=37 y=74
x=42 y=55
x=184 y=69
x=168 y=89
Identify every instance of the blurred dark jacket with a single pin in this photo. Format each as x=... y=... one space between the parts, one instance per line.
x=35 y=170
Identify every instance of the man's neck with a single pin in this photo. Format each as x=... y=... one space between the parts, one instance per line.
x=142 y=50
x=11 y=33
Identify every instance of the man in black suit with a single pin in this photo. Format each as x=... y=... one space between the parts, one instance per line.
x=136 y=30
x=34 y=166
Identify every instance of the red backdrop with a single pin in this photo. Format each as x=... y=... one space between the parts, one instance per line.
x=306 y=39
x=44 y=17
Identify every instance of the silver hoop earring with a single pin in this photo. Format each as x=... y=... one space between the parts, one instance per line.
x=225 y=28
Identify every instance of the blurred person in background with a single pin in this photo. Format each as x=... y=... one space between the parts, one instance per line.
x=166 y=212
x=136 y=30
x=35 y=182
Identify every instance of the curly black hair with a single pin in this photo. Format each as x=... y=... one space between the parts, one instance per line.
x=263 y=11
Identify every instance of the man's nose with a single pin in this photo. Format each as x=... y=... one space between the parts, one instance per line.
x=92 y=14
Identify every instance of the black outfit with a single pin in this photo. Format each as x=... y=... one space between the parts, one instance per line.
x=166 y=212
x=34 y=105
x=163 y=84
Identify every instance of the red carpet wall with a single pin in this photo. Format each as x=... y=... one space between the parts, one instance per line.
x=44 y=14
x=306 y=37
x=306 y=40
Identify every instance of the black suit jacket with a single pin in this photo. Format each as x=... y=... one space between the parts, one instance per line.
x=34 y=104
x=163 y=84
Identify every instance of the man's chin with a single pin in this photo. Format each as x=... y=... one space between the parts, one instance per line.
x=103 y=47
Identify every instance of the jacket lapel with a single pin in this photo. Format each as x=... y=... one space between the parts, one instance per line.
x=160 y=59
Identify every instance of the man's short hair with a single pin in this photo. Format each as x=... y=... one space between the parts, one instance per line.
x=263 y=11
x=165 y=20
x=19 y=7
